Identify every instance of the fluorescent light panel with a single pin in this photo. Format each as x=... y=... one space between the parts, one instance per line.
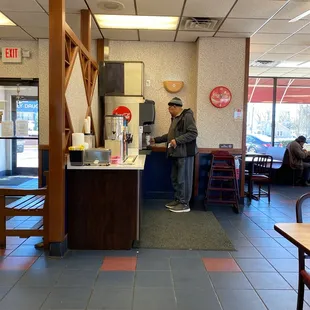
x=297 y=18
x=288 y=64
x=137 y=22
x=305 y=65
x=4 y=21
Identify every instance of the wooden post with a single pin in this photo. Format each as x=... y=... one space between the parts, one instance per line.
x=56 y=121
x=100 y=50
x=86 y=29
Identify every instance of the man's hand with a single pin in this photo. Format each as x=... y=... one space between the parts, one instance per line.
x=173 y=143
x=152 y=141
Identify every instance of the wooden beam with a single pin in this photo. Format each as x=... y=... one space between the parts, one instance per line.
x=86 y=29
x=100 y=50
x=78 y=42
x=56 y=120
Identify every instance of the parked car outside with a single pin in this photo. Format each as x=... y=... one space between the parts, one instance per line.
x=256 y=143
x=20 y=146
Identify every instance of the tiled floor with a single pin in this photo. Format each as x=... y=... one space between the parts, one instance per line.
x=261 y=274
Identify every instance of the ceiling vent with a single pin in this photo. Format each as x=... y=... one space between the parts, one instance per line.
x=200 y=23
x=264 y=63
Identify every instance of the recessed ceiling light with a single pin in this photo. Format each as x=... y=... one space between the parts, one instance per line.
x=110 y=5
x=4 y=21
x=137 y=22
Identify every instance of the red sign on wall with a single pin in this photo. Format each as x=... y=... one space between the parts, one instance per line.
x=122 y=110
x=11 y=54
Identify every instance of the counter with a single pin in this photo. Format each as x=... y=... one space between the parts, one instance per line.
x=103 y=205
x=138 y=164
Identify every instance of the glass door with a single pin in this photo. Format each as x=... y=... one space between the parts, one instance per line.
x=25 y=151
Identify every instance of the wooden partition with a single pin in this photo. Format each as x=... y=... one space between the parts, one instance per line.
x=64 y=48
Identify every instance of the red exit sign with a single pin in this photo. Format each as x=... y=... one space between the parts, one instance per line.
x=11 y=54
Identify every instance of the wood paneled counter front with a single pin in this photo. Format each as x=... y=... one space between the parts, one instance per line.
x=103 y=205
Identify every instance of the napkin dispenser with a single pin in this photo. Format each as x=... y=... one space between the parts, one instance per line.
x=97 y=156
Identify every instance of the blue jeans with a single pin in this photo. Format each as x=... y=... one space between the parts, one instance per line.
x=182 y=172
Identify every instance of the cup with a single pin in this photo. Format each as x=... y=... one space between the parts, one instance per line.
x=148 y=140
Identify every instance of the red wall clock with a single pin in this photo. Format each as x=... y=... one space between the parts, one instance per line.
x=220 y=97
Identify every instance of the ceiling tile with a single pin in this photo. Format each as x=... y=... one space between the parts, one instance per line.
x=13 y=33
x=279 y=70
x=149 y=35
x=283 y=48
x=38 y=32
x=191 y=36
x=293 y=74
x=260 y=48
x=72 y=6
x=129 y=8
x=20 y=6
x=159 y=7
x=264 y=38
x=302 y=71
x=282 y=26
x=306 y=52
x=257 y=70
x=305 y=30
x=95 y=34
x=254 y=56
x=300 y=57
x=301 y=39
x=29 y=19
x=293 y=9
x=222 y=34
x=271 y=74
x=122 y=35
x=275 y=57
x=241 y=25
x=255 y=8
x=210 y=8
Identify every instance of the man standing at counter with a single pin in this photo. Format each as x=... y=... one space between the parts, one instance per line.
x=181 y=149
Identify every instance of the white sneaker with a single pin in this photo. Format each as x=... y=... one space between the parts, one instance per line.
x=180 y=208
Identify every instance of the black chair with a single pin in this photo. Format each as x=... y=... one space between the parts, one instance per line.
x=304 y=276
x=260 y=174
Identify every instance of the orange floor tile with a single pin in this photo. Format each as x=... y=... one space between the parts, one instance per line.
x=119 y=264
x=220 y=264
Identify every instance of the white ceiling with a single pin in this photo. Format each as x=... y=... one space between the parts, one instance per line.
x=265 y=21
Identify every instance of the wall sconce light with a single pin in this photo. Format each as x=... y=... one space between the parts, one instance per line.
x=173 y=86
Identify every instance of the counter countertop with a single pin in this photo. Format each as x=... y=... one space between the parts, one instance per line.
x=137 y=165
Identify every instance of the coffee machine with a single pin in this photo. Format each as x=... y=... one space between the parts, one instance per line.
x=146 y=120
x=117 y=136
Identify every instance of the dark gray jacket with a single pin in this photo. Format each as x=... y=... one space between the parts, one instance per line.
x=183 y=129
x=296 y=155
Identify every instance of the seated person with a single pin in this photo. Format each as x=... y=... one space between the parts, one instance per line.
x=299 y=160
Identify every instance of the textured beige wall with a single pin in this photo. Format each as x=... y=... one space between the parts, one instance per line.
x=220 y=62
x=43 y=91
x=29 y=66
x=163 y=61
x=76 y=97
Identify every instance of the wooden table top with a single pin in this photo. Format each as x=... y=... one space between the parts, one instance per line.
x=297 y=233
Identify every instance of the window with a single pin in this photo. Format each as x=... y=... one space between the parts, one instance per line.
x=280 y=113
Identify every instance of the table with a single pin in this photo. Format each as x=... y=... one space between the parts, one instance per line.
x=299 y=235
x=296 y=233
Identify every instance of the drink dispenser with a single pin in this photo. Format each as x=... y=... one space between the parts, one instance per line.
x=114 y=136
